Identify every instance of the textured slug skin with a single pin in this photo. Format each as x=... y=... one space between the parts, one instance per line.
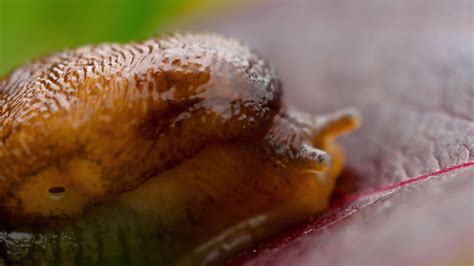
x=98 y=121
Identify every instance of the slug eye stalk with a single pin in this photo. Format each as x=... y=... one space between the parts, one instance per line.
x=328 y=127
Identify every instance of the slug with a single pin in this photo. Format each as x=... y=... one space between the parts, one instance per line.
x=177 y=149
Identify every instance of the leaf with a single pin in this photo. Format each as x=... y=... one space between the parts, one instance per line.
x=33 y=28
x=407 y=194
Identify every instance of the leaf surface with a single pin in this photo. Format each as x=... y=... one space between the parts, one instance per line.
x=407 y=194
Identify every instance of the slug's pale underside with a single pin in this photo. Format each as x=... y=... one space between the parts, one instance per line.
x=173 y=150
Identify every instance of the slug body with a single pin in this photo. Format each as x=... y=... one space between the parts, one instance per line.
x=182 y=137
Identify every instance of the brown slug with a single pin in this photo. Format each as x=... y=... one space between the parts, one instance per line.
x=182 y=136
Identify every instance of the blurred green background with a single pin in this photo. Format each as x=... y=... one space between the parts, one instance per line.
x=31 y=28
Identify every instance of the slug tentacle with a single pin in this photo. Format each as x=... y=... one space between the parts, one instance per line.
x=320 y=159
x=328 y=127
